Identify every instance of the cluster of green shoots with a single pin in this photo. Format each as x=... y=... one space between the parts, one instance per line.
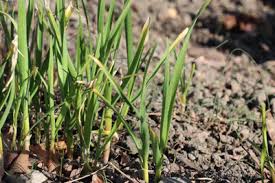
x=48 y=94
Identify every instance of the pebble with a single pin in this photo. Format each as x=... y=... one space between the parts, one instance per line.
x=218 y=160
x=172 y=13
x=187 y=20
x=245 y=133
x=235 y=86
x=37 y=177
x=191 y=156
x=174 y=167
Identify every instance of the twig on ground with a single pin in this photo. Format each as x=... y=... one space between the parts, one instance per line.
x=85 y=176
x=122 y=173
x=204 y=179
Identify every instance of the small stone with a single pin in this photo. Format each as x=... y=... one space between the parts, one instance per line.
x=245 y=133
x=174 y=167
x=172 y=13
x=228 y=92
x=165 y=169
x=132 y=146
x=218 y=160
x=205 y=167
x=191 y=156
x=219 y=94
x=187 y=20
x=225 y=99
x=226 y=139
x=38 y=177
x=235 y=86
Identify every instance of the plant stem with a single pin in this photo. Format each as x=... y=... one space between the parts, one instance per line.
x=23 y=64
x=1 y=157
x=108 y=113
x=272 y=175
x=158 y=168
x=145 y=170
x=158 y=174
x=51 y=98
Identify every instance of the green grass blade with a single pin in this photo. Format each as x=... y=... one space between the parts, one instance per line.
x=167 y=52
x=29 y=16
x=50 y=97
x=186 y=86
x=14 y=23
x=114 y=83
x=129 y=37
x=145 y=136
x=163 y=59
x=108 y=25
x=115 y=33
x=136 y=63
x=54 y=26
x=9 y=104
x=100 y=16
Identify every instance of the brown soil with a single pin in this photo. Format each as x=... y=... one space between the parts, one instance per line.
x=213 y=139
x=232 y=47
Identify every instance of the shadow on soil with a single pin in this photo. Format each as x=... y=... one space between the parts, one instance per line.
x=244 y=33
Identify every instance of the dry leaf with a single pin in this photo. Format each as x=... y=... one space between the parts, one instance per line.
x=96 y=179
x=270 y=123
x=21 y=164
x=52 y=165
x=61 y=146
x=41 y=152
x=9 y=158
x=47 y=158
x=52 y=162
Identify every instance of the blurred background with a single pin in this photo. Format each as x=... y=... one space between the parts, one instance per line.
x=247 y=25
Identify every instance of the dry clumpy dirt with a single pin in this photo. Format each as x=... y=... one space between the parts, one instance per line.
x=233 y=50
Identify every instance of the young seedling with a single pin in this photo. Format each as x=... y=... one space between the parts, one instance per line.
x=266 y=158
x=169 y=93
x=185 y=86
